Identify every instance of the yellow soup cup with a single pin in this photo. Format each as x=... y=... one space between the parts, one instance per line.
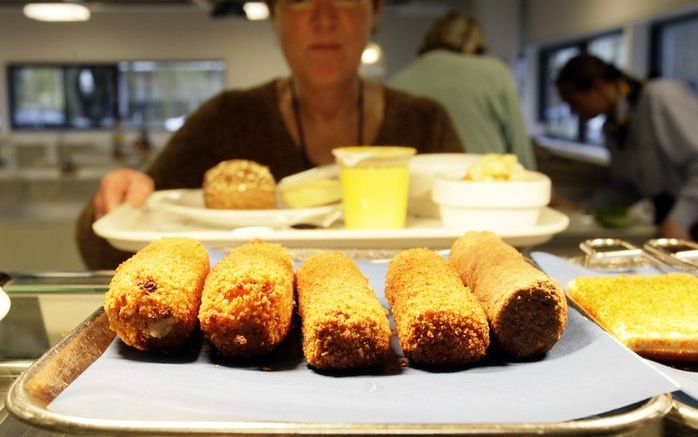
x=374 y=182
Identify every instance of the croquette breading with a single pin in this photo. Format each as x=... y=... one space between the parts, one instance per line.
x=344 y=325
x=438 y=319
x=154 y=296
x=247 y=301
x=526 y=309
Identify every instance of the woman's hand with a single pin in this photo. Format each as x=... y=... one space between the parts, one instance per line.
x=119 y=186
x=673 y=229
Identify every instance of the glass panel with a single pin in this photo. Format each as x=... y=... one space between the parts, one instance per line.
x=38 y=96
x=559 y=120
x=90 y=96
x=594 y=130
x=679 y=51
x=63 y=96
x=159 y=94
x=611 y=49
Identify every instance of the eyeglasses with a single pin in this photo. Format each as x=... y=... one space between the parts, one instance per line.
x=306 y=4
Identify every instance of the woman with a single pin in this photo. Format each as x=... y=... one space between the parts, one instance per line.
x=288 y=124
x=477 y=90
x=651 y=132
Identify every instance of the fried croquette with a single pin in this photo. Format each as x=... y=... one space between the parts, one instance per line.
x=344 y=325
x=247 y=301
x=526 y=309
x=154 y=296
x=438 y=320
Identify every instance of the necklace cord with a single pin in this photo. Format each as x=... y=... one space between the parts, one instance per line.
x=295 y=104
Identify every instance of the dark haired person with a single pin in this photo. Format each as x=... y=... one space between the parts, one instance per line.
x=651 y=132
x=477 y=90
x=288 y=124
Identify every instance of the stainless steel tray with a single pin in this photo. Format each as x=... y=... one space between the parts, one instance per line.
x=684 y=414
x=54 y=371
x=612 y=254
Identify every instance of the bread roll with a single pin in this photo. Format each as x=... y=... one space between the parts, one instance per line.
x=239 y=184
x=526 y=309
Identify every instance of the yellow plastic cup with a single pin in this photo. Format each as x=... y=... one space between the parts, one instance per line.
x=375 y=182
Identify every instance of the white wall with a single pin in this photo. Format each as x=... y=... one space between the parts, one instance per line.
x=549 y=20
x=501 y=20
x=250 y=49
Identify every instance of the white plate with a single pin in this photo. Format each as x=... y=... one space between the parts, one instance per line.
x=189 y=204
x=130 y=229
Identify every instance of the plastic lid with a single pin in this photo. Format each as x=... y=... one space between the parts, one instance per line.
x=360 y=156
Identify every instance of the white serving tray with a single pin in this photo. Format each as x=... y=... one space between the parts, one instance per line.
x=189 y=204
x=130 y=229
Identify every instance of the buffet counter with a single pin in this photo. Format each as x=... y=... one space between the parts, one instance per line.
x=46 y=308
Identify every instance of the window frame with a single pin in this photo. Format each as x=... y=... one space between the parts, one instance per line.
x=116 y=108
x=123 y=90
x=544 y=56
x=12 y=101
x=654 y=65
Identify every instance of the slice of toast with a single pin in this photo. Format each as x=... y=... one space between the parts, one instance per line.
x=654 y=315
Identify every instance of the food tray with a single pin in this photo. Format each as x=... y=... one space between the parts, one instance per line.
x=130 y=229
x=52 y=373
x=587 y=376
x=631 y=260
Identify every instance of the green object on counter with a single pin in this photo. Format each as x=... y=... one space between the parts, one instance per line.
x=613 y=217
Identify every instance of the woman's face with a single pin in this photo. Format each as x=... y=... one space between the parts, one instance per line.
x=588 y=103
x=323 y=39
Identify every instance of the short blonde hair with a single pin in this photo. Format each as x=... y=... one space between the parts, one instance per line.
x=456 y=32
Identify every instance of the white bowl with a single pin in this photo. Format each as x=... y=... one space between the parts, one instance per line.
x=424 y=169
x=491 y=205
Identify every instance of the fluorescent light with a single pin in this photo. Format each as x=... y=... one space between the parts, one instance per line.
x=56 y=12
x=372 y=53
x=256 y=10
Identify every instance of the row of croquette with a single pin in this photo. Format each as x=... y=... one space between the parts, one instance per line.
x=444 y=311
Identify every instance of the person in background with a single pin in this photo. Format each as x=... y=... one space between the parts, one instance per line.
x=287 y=124
x=477 y=90
x=651 y=132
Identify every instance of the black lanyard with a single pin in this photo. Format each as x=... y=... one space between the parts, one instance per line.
x=299 y=123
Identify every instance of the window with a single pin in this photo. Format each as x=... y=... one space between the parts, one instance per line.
x=62 y=96
x=674 y=49
x=159 y=94
x=555 y=115
x=156 y=95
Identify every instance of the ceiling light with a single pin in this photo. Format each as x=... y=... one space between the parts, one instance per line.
x=256 y=10
x=56 y=12
x=372 y=53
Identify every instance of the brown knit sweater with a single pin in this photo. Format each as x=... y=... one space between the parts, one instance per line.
x=247 y=124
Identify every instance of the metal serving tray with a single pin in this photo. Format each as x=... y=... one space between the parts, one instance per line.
x=664 y=254
x=54 y=371
x=684 y=414
x=611 y=254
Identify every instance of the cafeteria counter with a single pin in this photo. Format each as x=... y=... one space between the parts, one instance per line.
x=45 y=308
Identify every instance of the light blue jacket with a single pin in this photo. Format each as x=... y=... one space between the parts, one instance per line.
x=480 y=96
